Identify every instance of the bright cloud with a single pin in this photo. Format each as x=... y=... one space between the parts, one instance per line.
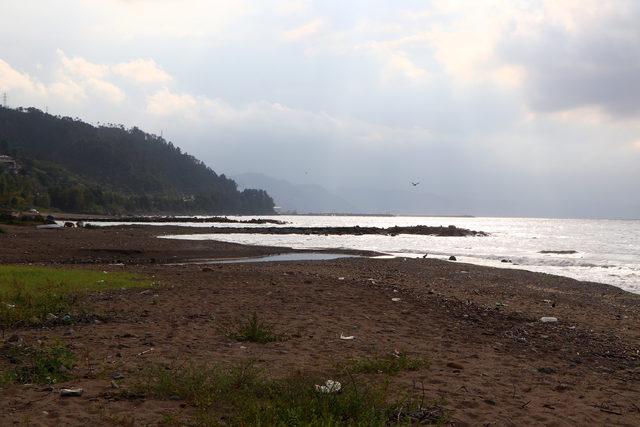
x=142 y=71
x=306 y=30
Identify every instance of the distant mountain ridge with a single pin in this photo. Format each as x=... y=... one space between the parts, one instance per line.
x=301 y=198
x=313 y=198
x=71 y=165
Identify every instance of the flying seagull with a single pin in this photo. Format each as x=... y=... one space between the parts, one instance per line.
x=415 y=183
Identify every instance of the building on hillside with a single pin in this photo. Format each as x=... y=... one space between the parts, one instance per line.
x=9 y=163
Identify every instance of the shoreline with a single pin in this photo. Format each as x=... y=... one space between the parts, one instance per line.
x=490 y=357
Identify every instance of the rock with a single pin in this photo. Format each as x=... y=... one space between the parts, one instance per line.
x=117 y=376
x=548 y=319
x=454 y=365
x=452 y=258
x=71 y=392
x=506 y=261
x=69 y=224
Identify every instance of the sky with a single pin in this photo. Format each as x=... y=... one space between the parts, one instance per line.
x=525 y=108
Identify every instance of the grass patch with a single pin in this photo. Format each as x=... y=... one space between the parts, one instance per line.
x=46 y=364
x=242 y=396
x=28 y=295
x=253 y=329
x=389 y=365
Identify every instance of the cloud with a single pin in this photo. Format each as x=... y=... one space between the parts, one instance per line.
x=82 y=68
x=164 y=103
x=12 y=79
x=142 y=71
x=579 y=54
x=106 y=90
x=167 y=19
x=304 y=31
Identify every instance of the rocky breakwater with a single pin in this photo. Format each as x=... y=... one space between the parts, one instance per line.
x=450 y=231
x=169 y=219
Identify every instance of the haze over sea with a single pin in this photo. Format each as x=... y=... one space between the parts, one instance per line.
x=607 y=251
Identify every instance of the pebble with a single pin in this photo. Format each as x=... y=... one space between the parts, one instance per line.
x=117 y=376
x=548 y=319
x=454 y=365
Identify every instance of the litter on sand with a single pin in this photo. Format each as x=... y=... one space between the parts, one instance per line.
x=395 y=299
x=548 y=319
x=71 y=392
x=345 y=337
x=330 y=386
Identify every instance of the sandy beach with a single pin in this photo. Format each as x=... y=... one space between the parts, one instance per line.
x=491 y=361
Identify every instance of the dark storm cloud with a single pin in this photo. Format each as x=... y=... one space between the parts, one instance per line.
x=596 y=63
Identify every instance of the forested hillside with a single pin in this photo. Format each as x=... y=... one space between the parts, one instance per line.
x=68 y=164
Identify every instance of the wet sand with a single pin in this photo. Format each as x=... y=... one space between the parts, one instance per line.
x=492 y=362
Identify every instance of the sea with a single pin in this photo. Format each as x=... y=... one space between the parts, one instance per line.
x=606 y=251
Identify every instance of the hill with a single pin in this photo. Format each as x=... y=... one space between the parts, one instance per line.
x=67 y=164
x=302 y=198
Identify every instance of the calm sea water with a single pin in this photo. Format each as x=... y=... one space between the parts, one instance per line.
x=608 y=251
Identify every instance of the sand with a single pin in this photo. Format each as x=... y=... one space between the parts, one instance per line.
x=492 y=362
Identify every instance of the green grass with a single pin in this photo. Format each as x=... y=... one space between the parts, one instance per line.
x=29 y=294
x=242 y=396
x=45 y=364
x=253 y=329
x=390 y=365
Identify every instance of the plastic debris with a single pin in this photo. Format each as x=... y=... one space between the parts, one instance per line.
x=548 y=319
x=395 y=299
x=71 y=392
x=345 y=337
x=340 y=278
x=330 y=386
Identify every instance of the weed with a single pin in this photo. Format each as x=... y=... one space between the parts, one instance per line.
x=29 y=294
x=254 y=330
x=390 y=365
x=41 y=365
x=242 y=396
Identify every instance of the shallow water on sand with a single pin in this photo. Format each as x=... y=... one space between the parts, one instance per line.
x=291 y=256
x=607 y=251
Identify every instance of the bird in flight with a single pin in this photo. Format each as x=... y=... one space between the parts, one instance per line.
x=415 y=183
